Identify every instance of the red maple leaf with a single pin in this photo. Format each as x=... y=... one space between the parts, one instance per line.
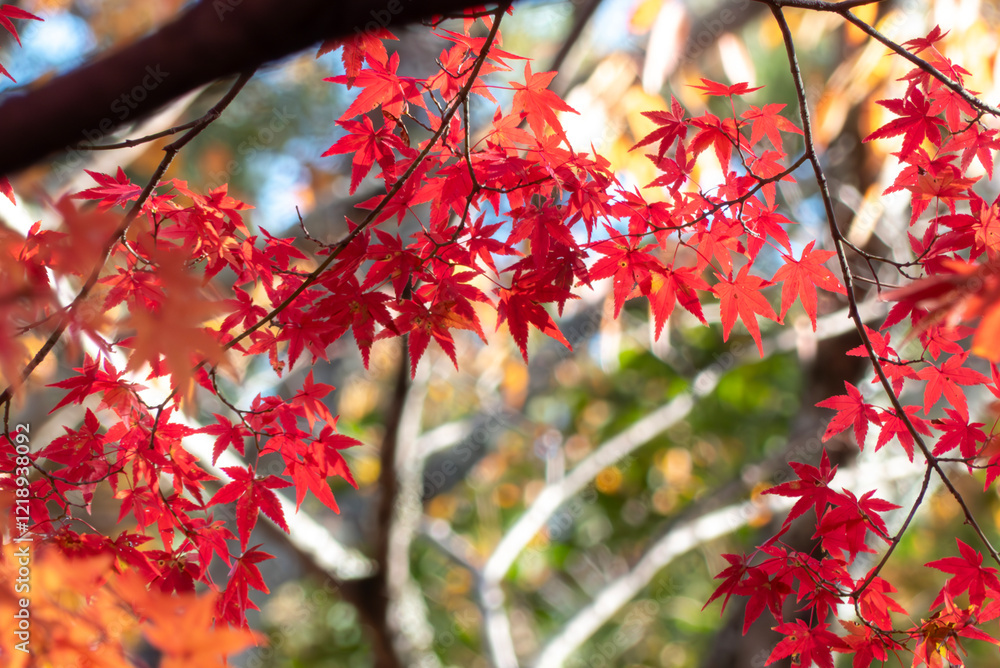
x=812 y=488
x=801 y=278
x=381 y=87
x=7 y=190
x=356 y=48
x=113 y=190
x=945 y=379
x=762 y=222
x=742 y=296
x=321 y=459
x=672 y=285
x=235 y=600
x=765 y=592
x=519 y=310
x=539 y=103
x=920 y=43
x=8 y=12
x=628 y=262
x=807 y=645
x=915 y=122
x=894 y=369
x=309 y=400
x=866 y=644
x=722 y=135
x=959 y=433
x=672 y=124
x=368 y=146
x=767 y=122
x=939 y=636
x=732 y=576
x=875 y=603
x=894 y=425
x=845 y=527
x=227 y=434
x=715 y=88
x=851 y=411
x=252 y=495
x=968 y=574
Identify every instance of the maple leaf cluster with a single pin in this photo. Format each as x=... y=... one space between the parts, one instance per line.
x=512 y=220
x=942 y=131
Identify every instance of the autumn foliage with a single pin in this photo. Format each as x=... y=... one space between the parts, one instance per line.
x=171 y=284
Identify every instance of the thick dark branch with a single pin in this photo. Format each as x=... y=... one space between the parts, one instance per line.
x=212 y=40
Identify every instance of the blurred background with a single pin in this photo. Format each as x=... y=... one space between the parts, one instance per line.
x=571 y=511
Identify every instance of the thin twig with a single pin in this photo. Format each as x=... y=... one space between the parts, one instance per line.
x=838 y=240
x=171 y=151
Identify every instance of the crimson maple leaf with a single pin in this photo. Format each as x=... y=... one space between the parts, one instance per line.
x=253 y=495
x=521 y=305
x=807 y=645
x=765 y=592
x=112 y=190
x=866 y=644
x=845 y=527
x=356 y=48
x=742 y=296
x=321 y=460
x=227 y=434
x=875 y=603
x=672 y=127
x=538 y=103
x=940 y=635
x=629 y=262
x=715 y=88
x=851 y=410
x=812 y=488
x=894 y=369
x=235 y=600
x=968 y=574
x=381 y=87
x=8 y=12
x=368 y=146
x=762 y=222
x=309 y=400
x=802 y=276
x=671 y=285
x=767 y=122
x=893 y=425
x=920 y=43
x=722 y=135
x=975 y=142
x=958 y=433
x=915 y=122
x=732 y=576
x=945 y=379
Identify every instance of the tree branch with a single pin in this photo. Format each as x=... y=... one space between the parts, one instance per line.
x=838 y=239
x=212 y=40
